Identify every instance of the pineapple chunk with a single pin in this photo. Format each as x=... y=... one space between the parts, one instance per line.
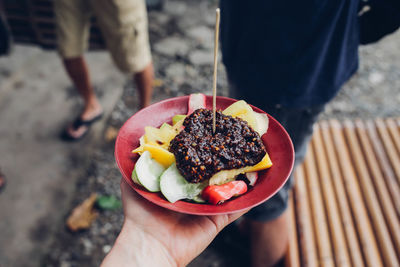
x=226 y=176
x=162 y=136
x=242 y=110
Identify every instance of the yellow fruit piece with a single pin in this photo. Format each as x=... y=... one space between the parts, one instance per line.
x=178 y=126
x=226 y=176
x=160 y=154
x=165 y=126
x=265 y=163
x=140 y=148
x=162 y=136
x=242 y=110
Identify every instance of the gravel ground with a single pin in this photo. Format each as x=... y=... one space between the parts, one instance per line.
x=181 y=37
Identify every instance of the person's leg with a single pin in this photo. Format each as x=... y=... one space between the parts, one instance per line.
x=144 y=83
x=268 y=223
x=73 y=22
x=124 y=27
x=78 y=72
x=269 y=240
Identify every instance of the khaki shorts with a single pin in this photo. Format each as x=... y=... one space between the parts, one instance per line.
x=123 y=24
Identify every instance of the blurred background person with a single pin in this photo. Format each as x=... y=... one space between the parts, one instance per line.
x=290 y=59
x=123 y=25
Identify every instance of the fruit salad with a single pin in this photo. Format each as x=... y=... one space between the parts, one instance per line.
x=187 y=161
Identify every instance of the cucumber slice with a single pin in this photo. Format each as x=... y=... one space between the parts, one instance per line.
x=135 y=178
x=174 y=187
x=148 y=172
x=199 y=199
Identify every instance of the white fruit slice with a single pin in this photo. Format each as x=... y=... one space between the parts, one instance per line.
x=262 y=123
x=174 y=187
x=252 y=177
x=196 y=101
x=148 y=172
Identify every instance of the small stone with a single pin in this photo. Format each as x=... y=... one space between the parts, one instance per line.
x=88 y=246
x=172 y=47
x=106 y=249
x=158 y=18
x=342 y=106
x=376 y=78
x=176 y=72
x=65 y=264
x=203 y=35
x=200 y=57
x=175 y=8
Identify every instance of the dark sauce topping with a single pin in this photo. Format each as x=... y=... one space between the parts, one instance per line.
x=200 y=154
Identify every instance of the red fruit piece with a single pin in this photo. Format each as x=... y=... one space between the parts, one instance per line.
x=216 y=194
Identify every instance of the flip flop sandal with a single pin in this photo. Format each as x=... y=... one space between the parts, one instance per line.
x=77 y=124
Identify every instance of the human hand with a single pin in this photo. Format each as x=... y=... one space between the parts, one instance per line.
x=154 y=236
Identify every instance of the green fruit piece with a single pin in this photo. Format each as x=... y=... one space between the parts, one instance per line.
x=135 y=178
x=177 y=118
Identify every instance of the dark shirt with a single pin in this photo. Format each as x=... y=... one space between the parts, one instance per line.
x=293 y=53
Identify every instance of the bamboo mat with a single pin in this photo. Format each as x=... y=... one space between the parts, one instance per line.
x=345 y=205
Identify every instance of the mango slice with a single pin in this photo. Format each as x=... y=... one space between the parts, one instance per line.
x=160 y=154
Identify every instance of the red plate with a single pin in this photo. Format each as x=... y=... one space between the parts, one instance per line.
x=276 y=141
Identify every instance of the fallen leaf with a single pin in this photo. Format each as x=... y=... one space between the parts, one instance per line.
x=111 y=133
x=83 y=215
x=158 y=82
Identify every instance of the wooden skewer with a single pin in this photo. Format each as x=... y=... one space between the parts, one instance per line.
x=381 y=232
x=216 y=39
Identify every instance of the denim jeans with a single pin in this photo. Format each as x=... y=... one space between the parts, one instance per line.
x=298 y=122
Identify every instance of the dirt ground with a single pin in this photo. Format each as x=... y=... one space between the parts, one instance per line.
x=181 y=36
